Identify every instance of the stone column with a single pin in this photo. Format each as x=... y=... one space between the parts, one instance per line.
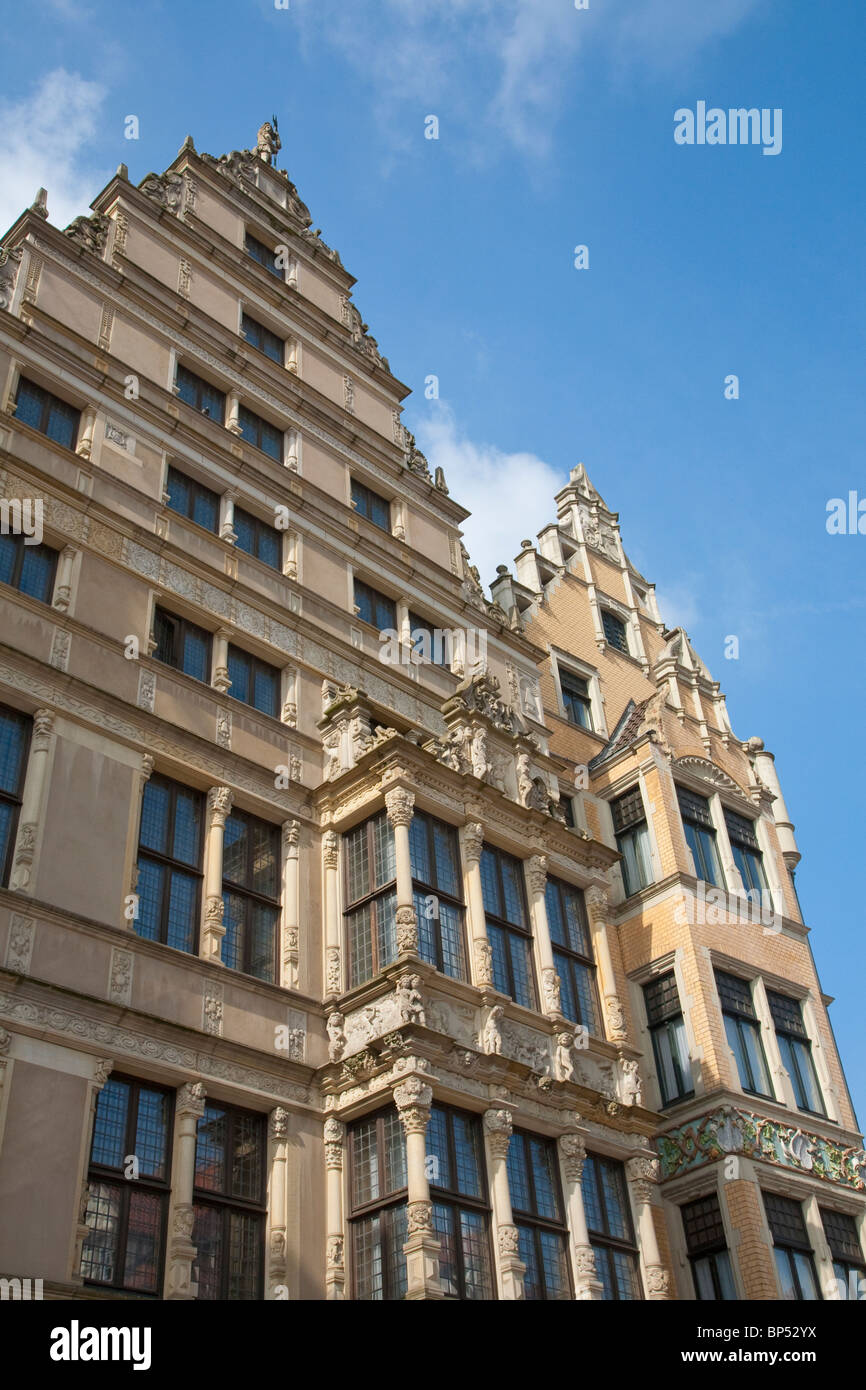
x=220 y=661
x=335 y=1265
x=32 y=799
x=400 y=805
x=509 y=1266
x=219 y=805
x=614 y=1014
x=188 y=1110
x=278 y=1133
x=233 y=407
x=291 y=904
x=572 y=1156
x=536 y=878
x=333 y=959
x=102 y=1071
x=131 y=908
x=642 y=1172
x=84 y=447
x=482 y=956
x=63 y=579
x=413 y=1099
x=227 y=516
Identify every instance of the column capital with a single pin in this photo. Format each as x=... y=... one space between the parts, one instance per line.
x=191 y=1099
x=473 y=841
x=643 y=1173
x=572 y=1150
x=291 y=832
x=658 y=1282
x=331 y=849
x=615 y=1016
x=400 y=805
x=43 y=723
x=498 y=1129
x=219 y=804
x=597 y=900
x=413 y=1098
x=335 y=1137
x=278 y=1124
x=536 y=871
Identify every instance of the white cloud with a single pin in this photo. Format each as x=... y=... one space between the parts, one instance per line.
x=501 y=66
x=45 y=140
x=510 y=495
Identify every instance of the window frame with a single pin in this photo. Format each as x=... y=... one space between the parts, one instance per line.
x=628 y=833
x=15 y=799
x=256 y=666
x=790 y=1247
x=21 y=552
x=199 y=386
x=197 y=491
x=574 y=958
x=264 y=261
x=170 y=864
x=369 y=899
x=380 y=1206
x=368 y=496
x=48 y=401
x=266 y=333
x=253 y=430
x=708 y=1252
x=377 y=597
x=571 y=696
x=602 y=1242
x=434 y=890
x=260 y=528
x=663 y=1024
x=226 y=1203
x=607 y=613
x=845 y=1262
x=512 y=929
x=182 y=626
x=533 y=1219
x=701 y=830
x=741 y=1020
x=796 y=1042
x=252 y=896
x=115 y=1177
x=456 y=1200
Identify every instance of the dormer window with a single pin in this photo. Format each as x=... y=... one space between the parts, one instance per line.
x=263 y=254
x=614 y=631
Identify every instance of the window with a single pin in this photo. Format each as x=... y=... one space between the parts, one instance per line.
x=429 y=643
x=700 y=835
x=461 y=1220
x=375 y=608
x=794 y=1264
x=796 y=1050
x=575 y=699
x=438 y=892
x=46 y=413
x=14 y=743
x=229 y=1204
x=200 y=394
x=840 y=1230
x=251 y=895
x=614 y=631
x=632 y=840
x=193 y=500
x=262 y=338
x=261 y=433
x=747 y=854
x=378 y=1224
x=572 y=953
x=182 y=645
x=263 y=254
x=536 y=1201
x=369 y=504
x=611 y=1234
x=668 y=1032
x=507 y=925
x=257 y=538
x=708 y=1250
x=567 y=804
x=28 y=568
x=169 y=864
x=371 y=898
x=744 y=1034
x=254 y=682
x=127 y=1203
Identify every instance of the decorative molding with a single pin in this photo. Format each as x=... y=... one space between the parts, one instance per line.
x=212 y=1007
x=120 y=976
x=19 y=947
x=732 y=1131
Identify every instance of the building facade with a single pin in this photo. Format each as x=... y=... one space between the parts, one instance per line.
x=355 y=934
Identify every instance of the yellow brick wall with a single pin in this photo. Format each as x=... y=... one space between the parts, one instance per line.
x=755 y=1259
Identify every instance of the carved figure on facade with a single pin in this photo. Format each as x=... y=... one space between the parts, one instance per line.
x=631 y=1083
x=563 y=1057
x=337 y=1035
x=410 y=1002
x=491 y=1036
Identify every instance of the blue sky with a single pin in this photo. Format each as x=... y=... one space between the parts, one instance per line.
x=556 y=129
